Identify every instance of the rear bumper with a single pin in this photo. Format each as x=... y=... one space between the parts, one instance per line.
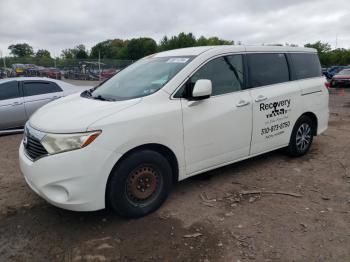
x=339 y=82
x=322 y=119
x=73 y=180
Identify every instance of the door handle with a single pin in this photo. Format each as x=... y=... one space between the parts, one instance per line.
x=16 y=103
x=242 y=103
x=260 y=98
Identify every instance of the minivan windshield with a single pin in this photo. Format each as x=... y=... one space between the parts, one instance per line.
x=140 y=79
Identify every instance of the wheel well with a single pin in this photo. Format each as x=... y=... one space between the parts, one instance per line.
x=161 y=149
x=313 y=117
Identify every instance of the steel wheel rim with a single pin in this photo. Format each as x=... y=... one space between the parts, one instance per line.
x=303 y=137
x=143 y=184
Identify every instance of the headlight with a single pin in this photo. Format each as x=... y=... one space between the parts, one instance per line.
x=57 y=143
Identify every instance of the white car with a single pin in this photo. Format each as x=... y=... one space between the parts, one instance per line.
x=170 y=116
x=20 y=97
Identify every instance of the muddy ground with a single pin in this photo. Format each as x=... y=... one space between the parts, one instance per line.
x=204 y=219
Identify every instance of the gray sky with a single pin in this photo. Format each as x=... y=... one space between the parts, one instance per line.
x=56 y=25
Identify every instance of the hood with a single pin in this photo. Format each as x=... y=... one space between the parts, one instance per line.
x=75 y=114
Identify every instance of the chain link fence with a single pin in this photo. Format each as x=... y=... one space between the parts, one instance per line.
x=81 y=69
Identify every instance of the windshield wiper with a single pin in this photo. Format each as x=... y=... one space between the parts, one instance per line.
x=99 y=97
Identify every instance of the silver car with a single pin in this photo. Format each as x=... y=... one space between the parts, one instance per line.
x=21 y=97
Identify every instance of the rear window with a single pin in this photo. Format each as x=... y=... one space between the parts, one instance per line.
x=306 y=65
x=267 y=69
x=9 y=90
x=39 y=88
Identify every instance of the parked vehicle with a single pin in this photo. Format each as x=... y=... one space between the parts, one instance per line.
x=324 y=71
x=21 y=97
x=108 y=73
x=84 y=71
x=17 y=70
x=170 y=116
x=5 y=72
x=341 y=79
x=333 y=71
x=30 y=70
x=52 y=73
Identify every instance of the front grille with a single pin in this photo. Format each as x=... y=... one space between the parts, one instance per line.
x=34 y=148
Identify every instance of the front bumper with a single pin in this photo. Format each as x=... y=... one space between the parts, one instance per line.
x=74 y=180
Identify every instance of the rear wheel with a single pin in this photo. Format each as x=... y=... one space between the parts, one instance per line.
x=302 y=137
x=139 y=184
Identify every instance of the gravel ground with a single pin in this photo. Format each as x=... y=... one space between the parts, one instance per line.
x=206 y=218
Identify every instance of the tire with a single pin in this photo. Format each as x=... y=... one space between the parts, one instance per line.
x=302 y=137
x=139 y=184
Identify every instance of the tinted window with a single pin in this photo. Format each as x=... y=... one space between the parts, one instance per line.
x=267 y=69
x=9 y=90
x=225 y=73
x=39 y=88
x=306 y=65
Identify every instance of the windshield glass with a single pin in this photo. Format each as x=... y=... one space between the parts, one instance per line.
x=140 y=79
x=344 y=72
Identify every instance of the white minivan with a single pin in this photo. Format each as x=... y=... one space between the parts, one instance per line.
x=170 y=116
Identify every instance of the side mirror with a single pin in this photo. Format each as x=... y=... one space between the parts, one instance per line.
x=202 y=89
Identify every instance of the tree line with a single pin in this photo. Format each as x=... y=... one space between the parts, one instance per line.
x=129 y=49
x=136 y=48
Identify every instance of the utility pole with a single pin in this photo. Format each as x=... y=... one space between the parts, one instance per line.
x=54 y=62
x=3 y=59
x=99 y=65
x=336 y=41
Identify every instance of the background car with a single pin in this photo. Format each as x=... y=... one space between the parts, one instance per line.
x=341 y=79
x=334 y=70
x=17 y=70
x=108 y=73
x=21 y=97
x=52 y=72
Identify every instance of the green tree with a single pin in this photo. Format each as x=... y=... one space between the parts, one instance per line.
x=203 y=41
x=112 y=49
x=320 y=47
x=21 y=50
x=67 y=53
x=179 y=41
x=189 y=40
x=141 y=47
x=81 y=52
x=43 y=53
x=78 y=52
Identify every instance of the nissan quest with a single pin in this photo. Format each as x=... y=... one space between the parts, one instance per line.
x=169 y=116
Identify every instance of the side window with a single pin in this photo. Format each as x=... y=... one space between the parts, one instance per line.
x=267 y=69
x=306 y=65
x=39 y=88
x=9 y=90
x=225 y=73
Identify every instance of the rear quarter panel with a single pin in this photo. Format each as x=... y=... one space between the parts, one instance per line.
x=315 y=99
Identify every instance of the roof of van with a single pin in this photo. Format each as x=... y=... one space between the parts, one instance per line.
x=194 y=51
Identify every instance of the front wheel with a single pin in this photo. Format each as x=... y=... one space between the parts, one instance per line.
x=139 y=184
x=302 y=137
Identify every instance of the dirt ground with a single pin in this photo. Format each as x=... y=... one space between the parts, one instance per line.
x=208 y=218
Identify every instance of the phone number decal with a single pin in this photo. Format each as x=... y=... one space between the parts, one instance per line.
x=274 y=128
